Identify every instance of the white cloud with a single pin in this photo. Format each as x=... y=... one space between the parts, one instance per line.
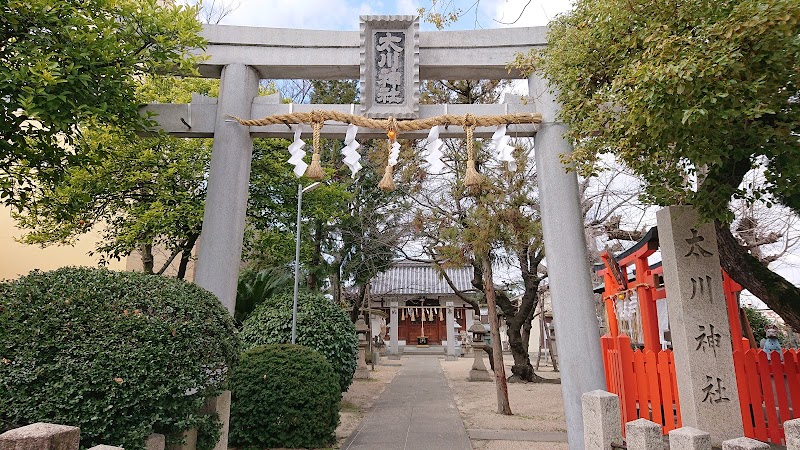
x=305 y=14
x=343 y=14
x=407 y=7
x=515 y=13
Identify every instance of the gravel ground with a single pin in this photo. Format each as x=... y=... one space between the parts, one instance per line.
x=535 y=407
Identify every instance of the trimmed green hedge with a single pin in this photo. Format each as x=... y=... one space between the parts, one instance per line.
x=118 y=354
x=321 y=325
x=284 y=396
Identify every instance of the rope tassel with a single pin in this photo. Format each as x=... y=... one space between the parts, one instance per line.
x=314 y=171
x=387 y=182
x=472 y=179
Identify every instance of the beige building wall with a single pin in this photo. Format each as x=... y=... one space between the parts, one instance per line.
x=160 y=256
x=18 y=259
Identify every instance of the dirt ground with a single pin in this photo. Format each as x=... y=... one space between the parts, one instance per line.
x=360 y=397
x=535 y=407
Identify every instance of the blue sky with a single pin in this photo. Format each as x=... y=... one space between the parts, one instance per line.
x=343 y=14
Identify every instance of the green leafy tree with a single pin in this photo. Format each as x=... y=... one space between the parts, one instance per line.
x=143 y=192
x=321 y=325
x=348 y=231
x=119 y=354
x=69 y=65
x=684 y=94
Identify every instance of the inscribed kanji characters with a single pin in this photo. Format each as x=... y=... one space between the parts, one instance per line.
x=389 y=83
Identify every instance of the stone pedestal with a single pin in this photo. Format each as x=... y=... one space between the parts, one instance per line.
x=451 y=333
x=220 y=404
x=478 y=371
x=701 y=336
x=602 y=424
x=362 y=370
x=41 y=436
x=744 y=443
x=688 y=438
x=791 y=429
x=105 y=447
x=642 y=434
x=394 y=322
x=158 y=441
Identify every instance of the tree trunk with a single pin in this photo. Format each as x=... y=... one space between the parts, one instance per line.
x=186 y=255
x=146 y=250
x=779 y=294
x=503 y=406
x=336 y=281
x=356 y=311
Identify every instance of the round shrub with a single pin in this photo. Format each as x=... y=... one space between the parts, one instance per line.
x=283 y=395
x=321 y=325
x=118 y=354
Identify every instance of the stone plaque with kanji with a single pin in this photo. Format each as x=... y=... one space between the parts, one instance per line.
x=389 y=82
x=698 y=321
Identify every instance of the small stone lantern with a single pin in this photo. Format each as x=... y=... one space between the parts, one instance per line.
x=362 y=371
x=478 y=372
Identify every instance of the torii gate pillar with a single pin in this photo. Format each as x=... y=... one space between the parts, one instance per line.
x=576 y=327
x=220 y=250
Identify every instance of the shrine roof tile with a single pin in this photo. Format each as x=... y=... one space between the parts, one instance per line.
x=411 y=278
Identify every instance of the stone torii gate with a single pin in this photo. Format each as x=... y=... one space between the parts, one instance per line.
x=242 y=56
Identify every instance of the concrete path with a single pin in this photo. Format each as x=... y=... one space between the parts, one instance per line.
x=415 y=412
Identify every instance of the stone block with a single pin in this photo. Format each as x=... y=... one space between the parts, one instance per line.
x=222 y=405
x=105 y=447
x=688 y=438
x=701 y=335
x=791 y=429
x=744 y=443
x=41 y=436
x=601 y=420
x=155 y=441
x=642 y=434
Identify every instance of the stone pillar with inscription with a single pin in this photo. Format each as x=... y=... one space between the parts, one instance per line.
x=701 y=336
x=394 y=322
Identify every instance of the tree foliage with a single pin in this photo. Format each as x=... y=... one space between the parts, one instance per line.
x=142 y=192
x=321 y=325
x=284 y=395
x=348 y=224
x=682 y=91
x=118 y=354
x=690 y=95
x=64 y=65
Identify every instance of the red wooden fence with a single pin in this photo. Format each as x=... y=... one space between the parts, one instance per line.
x=644 y=381
x=769 y=389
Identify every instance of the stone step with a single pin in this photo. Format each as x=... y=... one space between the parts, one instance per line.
x=424 y=350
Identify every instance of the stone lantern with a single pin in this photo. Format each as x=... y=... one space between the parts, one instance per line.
x=478 y=372
x=362 y=371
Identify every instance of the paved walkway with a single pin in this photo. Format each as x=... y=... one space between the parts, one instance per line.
x=415 y=412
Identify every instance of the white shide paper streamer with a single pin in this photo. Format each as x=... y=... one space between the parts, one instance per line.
x=297 y=152
x=505 y=152
x=434 y=154
x=351 y=156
